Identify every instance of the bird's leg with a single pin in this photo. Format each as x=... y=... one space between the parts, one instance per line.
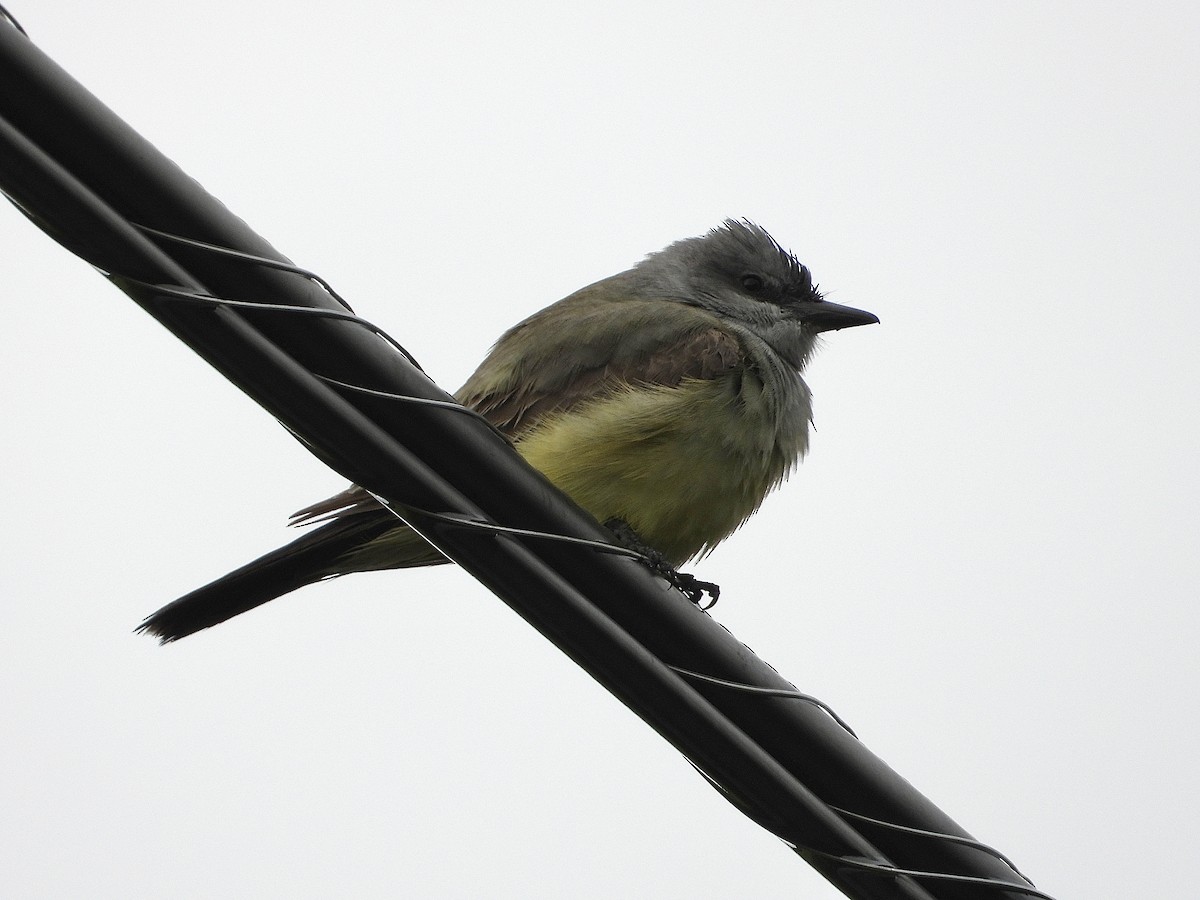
x=691 y=587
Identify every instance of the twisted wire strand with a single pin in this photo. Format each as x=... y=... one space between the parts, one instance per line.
x=768 y=692
x=933 y=835
x=264 y=261
x=1027 y=890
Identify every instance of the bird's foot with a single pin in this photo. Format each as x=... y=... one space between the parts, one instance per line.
x=689 y=585
x=692 y=587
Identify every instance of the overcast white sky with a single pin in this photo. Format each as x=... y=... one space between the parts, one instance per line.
x=987 y=564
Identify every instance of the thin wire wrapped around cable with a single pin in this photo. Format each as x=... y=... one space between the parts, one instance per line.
x=920 y=874
x=175 y=293
x=933 y=835
x=254 y=259
x=768 y=692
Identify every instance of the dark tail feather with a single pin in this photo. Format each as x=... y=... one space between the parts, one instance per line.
x=305 y=560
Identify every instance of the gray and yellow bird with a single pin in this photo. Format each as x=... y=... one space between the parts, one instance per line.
x=667 y=397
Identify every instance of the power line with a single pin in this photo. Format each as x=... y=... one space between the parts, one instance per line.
x=357 y=400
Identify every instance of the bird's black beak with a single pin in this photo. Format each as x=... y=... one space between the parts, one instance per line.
x=821 y=315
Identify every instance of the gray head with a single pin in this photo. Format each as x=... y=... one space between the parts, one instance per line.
x=742 y=274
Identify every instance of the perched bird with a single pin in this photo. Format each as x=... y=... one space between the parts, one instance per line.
x=667 y=398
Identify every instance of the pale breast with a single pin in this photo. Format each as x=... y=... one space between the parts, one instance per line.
x=685 y=465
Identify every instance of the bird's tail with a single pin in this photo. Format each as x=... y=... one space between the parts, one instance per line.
x=323 y=553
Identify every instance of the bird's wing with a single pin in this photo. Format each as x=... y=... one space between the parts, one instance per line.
x=589 y=345
x=573 y=352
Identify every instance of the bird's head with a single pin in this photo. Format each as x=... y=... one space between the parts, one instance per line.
x=742 y=274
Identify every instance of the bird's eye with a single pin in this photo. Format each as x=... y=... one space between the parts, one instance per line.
x=752 y=283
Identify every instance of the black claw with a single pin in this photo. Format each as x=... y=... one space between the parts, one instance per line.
x=689 y=585
x=694 y=589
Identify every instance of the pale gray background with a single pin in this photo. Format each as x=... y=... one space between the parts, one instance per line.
x=987 y=563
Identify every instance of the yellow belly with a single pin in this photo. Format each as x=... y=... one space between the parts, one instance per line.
x=684 y=466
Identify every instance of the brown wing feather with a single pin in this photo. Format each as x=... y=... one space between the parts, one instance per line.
x=701 y=355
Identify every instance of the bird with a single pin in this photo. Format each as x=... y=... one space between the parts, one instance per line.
x=666 y=400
